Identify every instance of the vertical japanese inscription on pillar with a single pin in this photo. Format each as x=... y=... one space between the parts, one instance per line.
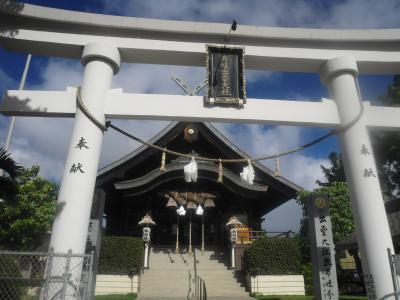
x=225 y=76
x=322 y=248
x=78 y=166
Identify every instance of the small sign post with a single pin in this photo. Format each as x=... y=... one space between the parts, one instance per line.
x=226 y=83
x=322 y=248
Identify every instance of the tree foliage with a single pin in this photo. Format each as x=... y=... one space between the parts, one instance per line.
x=340 y=208
x=335 y=172
x=387 y=145
x=23 y=223
x=392 y=95
x=335 y=187
x=9 y=170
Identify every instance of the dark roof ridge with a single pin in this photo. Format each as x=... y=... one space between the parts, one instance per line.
x=173 y=125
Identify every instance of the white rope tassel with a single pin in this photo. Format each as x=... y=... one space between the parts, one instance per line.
x=181 y=211
x=199 y=210
x=248 y=173
x=277 y=167
x=162 y=168
x=190 y=171
x=220 y=175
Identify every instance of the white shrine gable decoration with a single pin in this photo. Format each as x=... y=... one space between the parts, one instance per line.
x=248 y=174
x=190 y=171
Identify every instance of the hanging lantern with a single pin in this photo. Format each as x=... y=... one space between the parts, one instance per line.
x=209 y=203
x=199 y=210
x=190 y=171
x=172 y=203
x=181 y=201
x=208 y=195
x=233 y=222
x=200 y=199
x=191 y=205
x=174 y=194
x=146 y=220
x=248 y=174
x=181 y=211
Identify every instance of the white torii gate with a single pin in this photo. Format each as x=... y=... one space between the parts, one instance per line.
x=102 y=42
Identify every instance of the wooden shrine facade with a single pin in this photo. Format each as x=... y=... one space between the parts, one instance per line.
x=135 y=186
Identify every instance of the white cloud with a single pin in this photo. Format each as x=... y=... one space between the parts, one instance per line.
x=258 y=140
x=141 y=78
x=303 y=170
x=288 y=13
x=256 y=75
x=44 y=141
x=364 y=14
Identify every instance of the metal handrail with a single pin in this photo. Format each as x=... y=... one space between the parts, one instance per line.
x=200 y=290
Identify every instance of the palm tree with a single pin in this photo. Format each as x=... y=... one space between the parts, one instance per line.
x=9 y=170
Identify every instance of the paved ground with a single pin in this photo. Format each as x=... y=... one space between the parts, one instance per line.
x=231 y=298
x=208 y=298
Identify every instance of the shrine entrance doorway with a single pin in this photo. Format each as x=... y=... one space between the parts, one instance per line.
x=164 y=233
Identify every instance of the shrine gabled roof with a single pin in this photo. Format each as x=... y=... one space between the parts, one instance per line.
x=117 y=170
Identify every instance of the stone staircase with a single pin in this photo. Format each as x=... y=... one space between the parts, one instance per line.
x=169 y=276
x=221 y=283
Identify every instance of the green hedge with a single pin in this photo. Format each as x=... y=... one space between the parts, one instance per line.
x=120 y=255
x=306 y=270
x=273 y=256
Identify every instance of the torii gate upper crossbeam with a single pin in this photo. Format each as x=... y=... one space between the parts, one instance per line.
x=338 y=56
x=54 y=32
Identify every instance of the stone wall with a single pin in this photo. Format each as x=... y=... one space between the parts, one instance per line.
x=116 y=284
x=276 y=284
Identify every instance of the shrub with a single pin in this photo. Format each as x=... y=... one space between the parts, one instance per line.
x=121 y=255
x=306 y=270
x=273 y=256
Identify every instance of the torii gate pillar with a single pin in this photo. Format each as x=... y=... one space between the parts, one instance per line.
x=372 y=228
x=101 y=62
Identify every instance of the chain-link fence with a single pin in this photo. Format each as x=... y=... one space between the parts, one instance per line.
x=45 y=276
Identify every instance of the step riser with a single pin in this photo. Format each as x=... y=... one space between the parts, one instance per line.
x=169 y=280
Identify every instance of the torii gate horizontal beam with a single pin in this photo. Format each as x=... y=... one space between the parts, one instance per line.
x=104 y=41
x=191 y=108
x=54 y=32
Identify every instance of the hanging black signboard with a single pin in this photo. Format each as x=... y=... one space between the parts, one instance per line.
x=225 y=76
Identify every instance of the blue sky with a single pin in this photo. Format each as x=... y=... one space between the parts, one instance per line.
x=44 y=141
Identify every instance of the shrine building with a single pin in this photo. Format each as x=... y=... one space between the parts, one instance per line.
x=134 y=186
